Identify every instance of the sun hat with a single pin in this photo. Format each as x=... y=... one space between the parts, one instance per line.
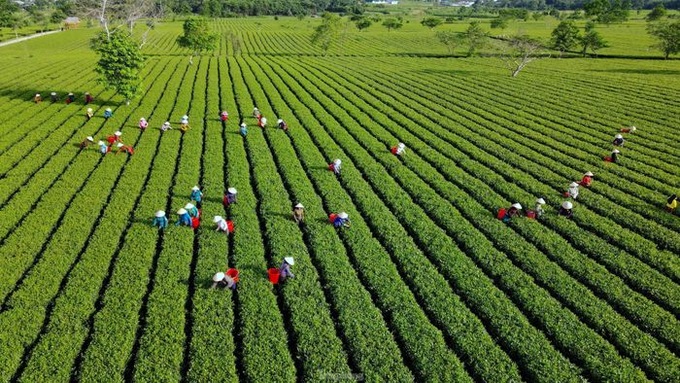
x=232 y=190
x=53 y=93
x=189 y=205
x=181 y=211
x=616 y=151
x=90 y=138
x=120 y=145
x=166 y=123
x=37 y=94
x=100 y=143
x=337 y=161
x=540 y=201
x=279 y=121
x=632 y=128
x=118 y=133
x=243 y=125
x=517 y=206
x=218 y=277
x=589 y=174
x=619 y=136
x=195 y=188
x=264 y=120
x=573 y=184
x=107 y=109
x=567 y=205
x=299 y=206
x=160 y=214
x=289 y=260
x=89 y=110
x=142 y=119
x=401 y=145
x=343 y=215
x=217 y=218
x=255 y=108
x=185 y=117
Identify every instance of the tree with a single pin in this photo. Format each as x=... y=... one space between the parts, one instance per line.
x=120 y=61
x=392 y=23
x=565 y=36
x=363 y=23
x=499 y=22
x=591 y=40
x=18 y=20
x=197 y=37
x=657 y=13
x=475 y=37
x=7 y=8
x=450 y=39
x=518 y=51
x=431 y=22
x=667 y=36
x=327 y=32
x=606 y=12
x=114 y=14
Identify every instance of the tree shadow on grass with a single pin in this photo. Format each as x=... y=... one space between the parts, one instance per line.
x=672 y=72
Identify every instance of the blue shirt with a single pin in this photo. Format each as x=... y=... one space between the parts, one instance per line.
x=196 y=195
x=285 y=271
x=184 y=219
x=339 y=222
x=108 y=114
x=244 y=131
x=193 y=212
x=103 y=149
x=161 y=222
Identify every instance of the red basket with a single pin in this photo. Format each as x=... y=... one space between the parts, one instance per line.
x=332 y=217
x=501 y=213
x=233 y=274
x=274 y=275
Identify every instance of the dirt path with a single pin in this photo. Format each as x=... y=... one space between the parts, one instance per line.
x=20 y=39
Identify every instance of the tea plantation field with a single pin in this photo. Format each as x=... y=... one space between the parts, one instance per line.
x=427 y=285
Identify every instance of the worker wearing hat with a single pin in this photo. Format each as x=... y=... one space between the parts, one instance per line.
x=629 y=129
x=124 y=149
x=196 y=195
x=566 y=209
x=262 y=121
x=143 y=124
x=166 y=126
x=108 y=113
x=587 y=179
x=223 y=280
x=191 y=209
x=618 y=140
x=539 y=207
x=160 y=220
x=573 y=190
x=230 y=197
x=244 y=129
x=513 y=211
x=299 y=213
x=256 y=113
x=672 y=203
x=341 y=220
x=224 y=116
x=115 y=137
x=335 y=166
x=614 y=157
x=70 y=98
x=103 y=148
x=37 y=98
x=282 y=125
x=184 y=218
x=89 y=113
x=184 y=124
x=284 y=270
x=88 y=98
x=89 y=140
x=223 y=225
x=399 y=149
x=53 y=97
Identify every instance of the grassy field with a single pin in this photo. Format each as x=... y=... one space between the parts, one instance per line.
x=427 y=285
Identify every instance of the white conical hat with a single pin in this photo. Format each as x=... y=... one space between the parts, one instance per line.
x=232 y=191
x=337 y=161
x=118 y=133
x=299 y=206
x=279 y=121
x=254 y=109
x=107 y=109
x=243 y=125
x=618 y=136
x=289 y=260
x=90 y=138
x=632 y=128
x=401 y=145
x=70 y=93
x=517 y=206
x=616 y=151
x=89 y=110
x=37 y=94
x=264 y=120
x=343 y=215
x=195 y=188
x=166 y=123
x=53 y=93
x=181 y=211
x=87 y=93
x=120 y=145
x=142 y=119
x=540 y=201
x=217 y=218
x=218 y=277
x=567 y=205
x=100 y=143
x=189 y=206
x=160 y=214
x=573 y=184
x=185 y=117
x=589 y=174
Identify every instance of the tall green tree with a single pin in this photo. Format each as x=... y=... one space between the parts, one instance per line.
x=392 y=23
x=450 y=38
x=565 y=36
x=7 y=8
x=120 y=61
x=592 y=40
x=667 y=36
x=431 y=22
x=197 y=37
x=326 y=33
x=363 y=23
x=657 y=13
x=475 y=37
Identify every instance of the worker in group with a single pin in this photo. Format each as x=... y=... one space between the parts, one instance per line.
x=572 y=191
x=143 y=124
x=37 y=98
x=166 y=126
x=299 y=213
x=399 y=149
x=614 y=157
x=196 y=195
x=103 y=148
x=629 y=129
x=184 y=218
x=53 y=97
x=223 y=225
x=335 y=166
x=282 y=125
x=618 y=140
x=108 y=113
x=89 y=140
x=284 y=270
x=230 y=197
x=513 y=211
x=224 y=116
x=115 y=137
x=70 y=98
x=341 y=220
x=587 y=179
x=566 y=209
x=672 y=203
x=89 y=113
x=223 y=280
x=262 y=122
x=184 y=124
x=256 y=113
x=244 y=129
x=125 y=149
x=160 y=220
x=193 y=212
x=88 y=98
x=539 y=207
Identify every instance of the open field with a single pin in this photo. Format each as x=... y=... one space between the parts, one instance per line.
x=427 y=285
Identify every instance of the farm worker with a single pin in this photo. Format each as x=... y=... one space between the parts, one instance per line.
x=70 y=98
x=539 y=207
x=88 y=98
x=103 y=149
x=184 y=218
x=341 y=220
x=143 y=124
x=335 y=166
x=618 y=140
x=672 y=203
x=244 y=129
x=299 y=213
x=37 y=99
x=284 y=270
x=108 y=113
x=114 y=138
x=513 y=211
x=89 y=113
x=193 y=212
x=223 y=280
x=262 y=122
x=224 y=116
x=87 y=142
x=223 y=225
x=184 y=124
x=629 y=129
x=587 y=179
x=125 y=149
x=572 y=191
x=256 y=113
x=399 y=149
x=614 y=157
x=230 y=197
x=53 y=96
x=566 y=209
x=282 y=125
x=196 y=195
x=160 y=220
x=166 y=126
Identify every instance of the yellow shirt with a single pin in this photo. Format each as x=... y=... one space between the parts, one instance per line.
x=672 y=205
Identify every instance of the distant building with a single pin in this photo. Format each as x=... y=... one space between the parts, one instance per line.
x=388 y=2
x=71 y=22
